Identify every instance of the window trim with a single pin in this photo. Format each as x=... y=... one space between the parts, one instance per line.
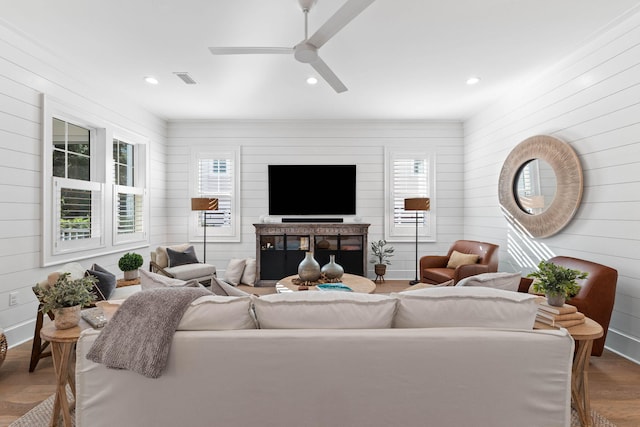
x=101 y=162
x=222 y=234
x=391 y=232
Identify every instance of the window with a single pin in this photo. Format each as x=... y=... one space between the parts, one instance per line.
x=77 y=194
x=216 y=174
x=129 y=197
x=409 y=175
x=78 y=181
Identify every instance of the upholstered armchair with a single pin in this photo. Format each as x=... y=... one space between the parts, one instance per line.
x=185 y=266
x=435 y=269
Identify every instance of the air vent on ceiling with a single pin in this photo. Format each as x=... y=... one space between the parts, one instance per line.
x=185 y=77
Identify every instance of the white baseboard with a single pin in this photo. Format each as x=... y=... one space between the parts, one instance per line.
x=623 y=345
x=21 y=333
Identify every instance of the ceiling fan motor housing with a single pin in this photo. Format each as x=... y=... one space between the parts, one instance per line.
x=305 y=52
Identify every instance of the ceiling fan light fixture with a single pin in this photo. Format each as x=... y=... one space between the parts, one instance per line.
x=151 y=80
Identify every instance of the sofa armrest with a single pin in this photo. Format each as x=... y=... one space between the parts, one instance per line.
x=155 y=268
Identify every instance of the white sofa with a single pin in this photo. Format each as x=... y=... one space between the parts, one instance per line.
x=419 y=364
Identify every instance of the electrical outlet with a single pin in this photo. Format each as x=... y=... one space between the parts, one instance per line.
x=13 y=298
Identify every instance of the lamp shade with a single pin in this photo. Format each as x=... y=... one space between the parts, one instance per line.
x=417 y=204
x=204 y=204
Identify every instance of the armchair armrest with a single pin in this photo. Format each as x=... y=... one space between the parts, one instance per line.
x=155 y=268
x=433 y=261
x=463 y=271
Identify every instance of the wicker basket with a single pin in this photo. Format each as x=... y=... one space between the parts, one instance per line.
x=3 y=346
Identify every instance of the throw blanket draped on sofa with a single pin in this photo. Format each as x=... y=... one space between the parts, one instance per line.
x=138 y=336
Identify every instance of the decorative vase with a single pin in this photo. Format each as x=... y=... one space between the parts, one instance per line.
x=332 y=270
x=309 y=269
x=556 y=300
x=66 y=317
x=131 y=274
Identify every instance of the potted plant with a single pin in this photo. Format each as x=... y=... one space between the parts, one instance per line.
x=557 y=282
x=129 y=263
x=65 y=298
x=380 y=256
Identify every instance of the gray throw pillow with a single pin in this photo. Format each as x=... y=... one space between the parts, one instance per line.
x=188 y=256
x=105 y=284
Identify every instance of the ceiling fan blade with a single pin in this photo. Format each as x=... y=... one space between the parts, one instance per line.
x=248 y=50
x=342 y=17
x=328 y=75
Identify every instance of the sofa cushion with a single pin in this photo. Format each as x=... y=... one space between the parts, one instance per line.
x=499 y=280
x=324 y=310
x=191 y=271
x=233 y=273
x=457 y=259
x=466 y=306
x=187 y=256
x=249 y=273
x=220 y=287
x=106 y=282
x=149 y=280
x=217 y=313
x=162 y=259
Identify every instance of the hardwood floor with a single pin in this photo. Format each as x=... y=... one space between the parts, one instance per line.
x=614 y=381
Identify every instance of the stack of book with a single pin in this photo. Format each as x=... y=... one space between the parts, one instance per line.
x=561 y=317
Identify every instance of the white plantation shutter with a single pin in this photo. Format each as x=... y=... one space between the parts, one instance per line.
x=217 y=176
x=77 y=206
x=129 y=215
x=410 y=175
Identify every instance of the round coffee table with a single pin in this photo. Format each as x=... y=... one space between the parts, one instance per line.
x=356 y=283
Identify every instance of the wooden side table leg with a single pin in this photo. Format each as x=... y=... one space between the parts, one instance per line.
x=580 y=382
x=62 y=353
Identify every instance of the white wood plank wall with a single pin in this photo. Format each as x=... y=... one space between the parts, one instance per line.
x=26 y=71
x=319 y=142
x=592 y=101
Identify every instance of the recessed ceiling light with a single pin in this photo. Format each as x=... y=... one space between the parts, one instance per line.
x=473 y=80
x=312 y=80
x=151 y=80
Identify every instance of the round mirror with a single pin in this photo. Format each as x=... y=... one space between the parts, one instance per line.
x=540 y=185
x=535 y=186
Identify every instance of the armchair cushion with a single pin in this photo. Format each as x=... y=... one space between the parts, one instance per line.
x=187 y=256
x=457 y=259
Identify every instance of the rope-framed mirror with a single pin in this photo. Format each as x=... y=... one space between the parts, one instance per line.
x=540 y=185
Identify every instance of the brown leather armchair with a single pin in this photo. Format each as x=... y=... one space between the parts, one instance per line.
x=433 y=268
x=597 y=293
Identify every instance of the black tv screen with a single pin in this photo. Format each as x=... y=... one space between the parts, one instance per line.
x=312 y=189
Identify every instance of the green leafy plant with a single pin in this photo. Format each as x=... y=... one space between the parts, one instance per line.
x=66 y=293
x=130 y=261
x=555 y=279
x=381 y=252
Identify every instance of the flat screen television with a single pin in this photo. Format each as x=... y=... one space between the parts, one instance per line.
x=312 y=189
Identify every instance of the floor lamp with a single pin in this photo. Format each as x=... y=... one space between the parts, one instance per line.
x=416 y=204
x=204 y=204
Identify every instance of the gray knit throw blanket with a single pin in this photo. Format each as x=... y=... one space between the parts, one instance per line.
x=138 y=336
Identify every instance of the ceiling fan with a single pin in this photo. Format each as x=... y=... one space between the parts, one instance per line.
x=307 y=50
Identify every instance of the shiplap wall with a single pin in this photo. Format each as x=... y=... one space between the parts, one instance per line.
x=26 y=71
x=319 y=142
x=592 y=101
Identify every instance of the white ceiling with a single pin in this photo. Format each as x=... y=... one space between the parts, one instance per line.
x=400 y=59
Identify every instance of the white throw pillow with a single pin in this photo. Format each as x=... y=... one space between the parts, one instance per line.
x=324 y=310
x=500 y=280
x=218 y=313
x=466 y=306
x=249 y=273
x=233 y=273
